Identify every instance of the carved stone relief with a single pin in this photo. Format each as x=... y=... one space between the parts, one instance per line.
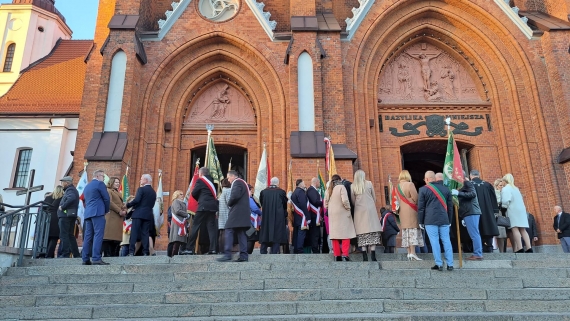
x=221 y=103
x=218 y=10
x=423 y=73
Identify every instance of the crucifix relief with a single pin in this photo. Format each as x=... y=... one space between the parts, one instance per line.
x=424 y=56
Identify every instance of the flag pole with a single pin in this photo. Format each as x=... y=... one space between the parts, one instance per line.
x=209 y=128
x=455 y=209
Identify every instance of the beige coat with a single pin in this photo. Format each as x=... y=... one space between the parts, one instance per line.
x=408 y=216
x=341 y=226
x=113 y=219
x=178 y=208
x=365 y=215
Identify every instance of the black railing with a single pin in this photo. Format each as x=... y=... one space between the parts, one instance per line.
x=17 y=222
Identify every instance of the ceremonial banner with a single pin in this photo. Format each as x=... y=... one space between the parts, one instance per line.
x=263 y=174
x=83 y=181
x=212 y=162
x=158 y=206
x=452 y=169
x=330 y=164
x=124 y=187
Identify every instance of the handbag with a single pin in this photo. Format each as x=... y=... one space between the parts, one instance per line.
x=503 y=221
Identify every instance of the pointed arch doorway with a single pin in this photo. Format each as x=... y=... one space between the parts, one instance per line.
x=429 y=155
x=226 y=153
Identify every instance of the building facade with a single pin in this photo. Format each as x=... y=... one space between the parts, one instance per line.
x=378 y=77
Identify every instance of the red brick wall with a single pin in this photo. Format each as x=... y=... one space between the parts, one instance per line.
x=528 y=94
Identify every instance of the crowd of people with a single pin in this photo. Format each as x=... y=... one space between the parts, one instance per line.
x=301 y=221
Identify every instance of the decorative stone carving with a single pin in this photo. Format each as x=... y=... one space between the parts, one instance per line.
x=423 y=73
x=219 y=10
x=221 y=103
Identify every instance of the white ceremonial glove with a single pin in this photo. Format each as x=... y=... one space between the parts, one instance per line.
x=423 y=227
x=463 y=223
x=289 y=195
x=309 y=222
x=454 y=192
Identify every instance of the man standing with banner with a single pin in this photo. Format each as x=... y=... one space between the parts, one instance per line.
x=205 y=193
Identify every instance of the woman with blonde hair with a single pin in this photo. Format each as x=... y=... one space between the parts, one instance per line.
x=408 y=199
x=178 y=229
x=512 y=200
x=52 y=201
x=366 y=221
x=341 y=226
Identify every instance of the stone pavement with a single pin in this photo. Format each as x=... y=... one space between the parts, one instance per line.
x=289 y=287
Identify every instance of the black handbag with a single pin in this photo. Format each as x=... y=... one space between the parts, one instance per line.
x=503 y=221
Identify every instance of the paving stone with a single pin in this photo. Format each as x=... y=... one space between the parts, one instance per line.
x=293 y=283
x=35 y=313
x=445 y=294
x=522 y=264
x=471 y=282
x=101 y=288
x=383 y=282
x=422 y=273
x=530 y=294
x=326 y=266
x=298 y=274
x=340 y=307
x=204 y=285
x=546 y=282
x=17 y=301
x=416 y=306
x=112 y=278
x=67 y=269
x=280 y=295
x=203 y=276
x=238 y=309
x=24 y=280
x=521 y=306
x=202 y=297
x=29 y=290
x=356 y=294
x=531 y=273
x=238 y=266
x=151 y=311
x=100 y=299
x=166 y=268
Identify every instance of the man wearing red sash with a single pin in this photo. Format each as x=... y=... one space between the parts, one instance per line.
x=302 y=216
x=435 y=209
x=205 y=193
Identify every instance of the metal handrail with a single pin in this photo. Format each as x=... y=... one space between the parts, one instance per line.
x=41 y=231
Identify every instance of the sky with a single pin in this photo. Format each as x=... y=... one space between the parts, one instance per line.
x=80 y=16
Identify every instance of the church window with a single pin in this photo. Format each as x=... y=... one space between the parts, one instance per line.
x=306 y=92
x=9 y=57
x=115 y=94
x=22 y=167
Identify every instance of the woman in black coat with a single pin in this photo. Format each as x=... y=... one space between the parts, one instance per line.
x=389 y=230
x=52 y=203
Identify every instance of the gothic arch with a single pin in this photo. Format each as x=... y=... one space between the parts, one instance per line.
x=498 y=53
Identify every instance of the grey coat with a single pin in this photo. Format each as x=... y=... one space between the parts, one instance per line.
x=178 y=208
x=239 y=214
x=223 y=208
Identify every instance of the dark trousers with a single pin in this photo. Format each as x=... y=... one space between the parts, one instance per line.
x=209 y=219
x=93 y=238
x=173 y=248
x=273 y=246
x=300 y=239
x=140 y=231
x=110 y=248
x=221 y=240
x=314 y=235
x=242 y=241
x=67 y=237
x=52 y=243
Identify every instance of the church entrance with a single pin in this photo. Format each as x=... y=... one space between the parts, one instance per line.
x=226 y=153
x=420 y=157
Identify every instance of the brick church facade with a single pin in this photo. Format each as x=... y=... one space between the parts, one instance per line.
x=384 y=74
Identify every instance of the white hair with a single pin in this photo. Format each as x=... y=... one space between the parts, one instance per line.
x=274 y=181
x=97 y=172
x=147 y=177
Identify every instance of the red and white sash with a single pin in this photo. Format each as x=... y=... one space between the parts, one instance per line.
x=255 y=220
x=210 y=186
x=298 y=211
x=127 y=226
x=316 y=210
x=181 y=225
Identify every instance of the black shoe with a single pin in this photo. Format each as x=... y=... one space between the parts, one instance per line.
x=437 y=267
x=373 y=256
x=346 y=258
x=529 y=251
x=338 y=258
x=86 y=263
x=224 y=259
x=130 y=254
x=212 y=252
x=240 y=260
x=449 y=268
x=520 y=251
x=364 y=257
x=99 y=263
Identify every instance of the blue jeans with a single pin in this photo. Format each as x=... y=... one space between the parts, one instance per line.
x=472 y=222
x=436 y=232
x=565 y=242
x=124 y=250
x=94 y=231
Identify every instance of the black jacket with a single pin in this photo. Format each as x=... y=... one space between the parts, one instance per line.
x=239 y=214
x=564 y=225
x=430 y=209
x=274 y=223
x=143 y=203
x=202 y=193
x=51 y=207
x=299 y=198
x=69 y=202
x=348 y=186
x=531 y=229
x=489 y=207
x=315 y=199
x=389 y=227
x=468 y=202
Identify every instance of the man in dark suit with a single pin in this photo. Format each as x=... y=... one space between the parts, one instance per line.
x=435 y=209
x=301 y=216
x=142 y=217
x=273 y=230
x=238 y=218
x=489 y=210
x=315 y=209
x=562 y=227
x=205 y=192
x=96 y=206
x=67 y=214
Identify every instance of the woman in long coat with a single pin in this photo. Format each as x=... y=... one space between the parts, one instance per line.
x=341 y=226
x=114 y=219
x=512 y=200
x=408 y=199
x=366 y=221
x=223 y=211
x=178 y=227
x=53 y=236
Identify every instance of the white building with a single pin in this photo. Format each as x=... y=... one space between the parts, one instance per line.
x=40 y=111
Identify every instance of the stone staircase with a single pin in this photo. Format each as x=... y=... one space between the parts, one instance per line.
x=289 y=287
